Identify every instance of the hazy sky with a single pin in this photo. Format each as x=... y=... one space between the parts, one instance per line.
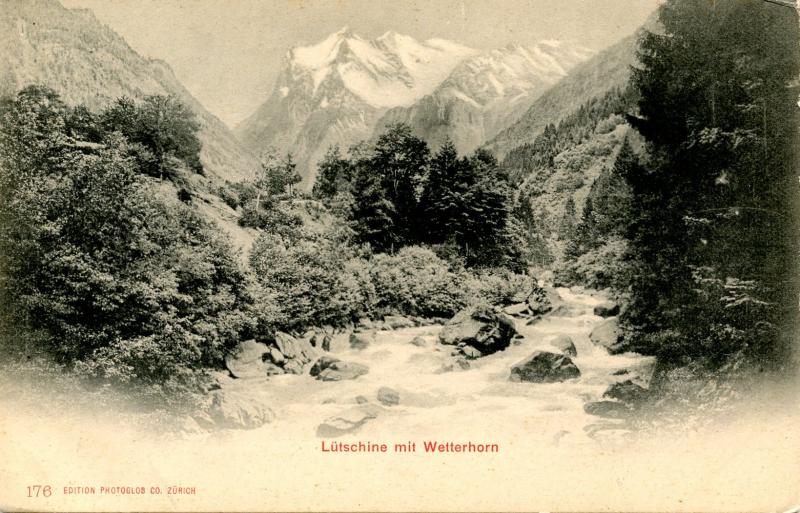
x=228 y=52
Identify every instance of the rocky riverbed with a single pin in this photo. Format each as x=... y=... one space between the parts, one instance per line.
x=549 y=381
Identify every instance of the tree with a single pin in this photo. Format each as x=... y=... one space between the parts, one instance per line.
x=373 y=214
x=442 y=201
x=334 y=175
x=113 y=281
x=715 y=202
x=400 y=158
x=163 y=126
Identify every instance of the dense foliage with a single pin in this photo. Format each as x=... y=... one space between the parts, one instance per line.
x=713 y=239
x=401 y=195
x=107 y=278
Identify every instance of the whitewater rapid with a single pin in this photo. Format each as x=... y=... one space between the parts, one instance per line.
x=479 y=403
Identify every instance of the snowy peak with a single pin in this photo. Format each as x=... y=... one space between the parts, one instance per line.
x=389 y=71
x=513 y=72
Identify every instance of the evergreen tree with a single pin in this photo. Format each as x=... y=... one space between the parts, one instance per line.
x=714 y=206
x=374 y=215
x=401 y=159
x=334 y=175
x=443 y=198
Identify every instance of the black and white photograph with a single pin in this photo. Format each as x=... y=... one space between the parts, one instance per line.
x=374 y=255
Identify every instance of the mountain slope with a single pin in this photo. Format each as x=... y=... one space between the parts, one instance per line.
x=86 y=62
x=333 y=92
x=597 y=76
x=486 y=93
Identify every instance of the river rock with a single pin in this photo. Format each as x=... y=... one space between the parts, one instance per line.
x=348 y=421
x=608 y=409
x=337 y=342
x=606 y=309
x=609 y=335
x=564 y=344
x=544 y=367
x=295 y=349
x=362 y=340
x=398 y=321
x=468 y=352
x=364 y=323
x=481 y=327
x=419 y=341
x=626 y=391
x=247 y=360
x=388 y=396
x=517 y=310
x=457 y=363
x=239 y=409
x=543 y=300
x=328 y=368
x=276 y=356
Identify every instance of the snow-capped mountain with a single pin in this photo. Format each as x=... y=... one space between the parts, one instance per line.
x=486 y=93
x=333 y=92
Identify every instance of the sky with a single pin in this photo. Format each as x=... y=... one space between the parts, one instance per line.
x=228 y=53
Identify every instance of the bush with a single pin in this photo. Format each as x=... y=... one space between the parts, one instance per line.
x=598 y=268
x=416 y=282
x=500 y=286
x=307 y=280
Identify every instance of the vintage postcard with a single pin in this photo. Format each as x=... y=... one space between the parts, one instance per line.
x=360 y=255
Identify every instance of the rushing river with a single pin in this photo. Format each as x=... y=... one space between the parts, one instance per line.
x=479 y=403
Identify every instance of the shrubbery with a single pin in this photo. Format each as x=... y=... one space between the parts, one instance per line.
x=120 y=285
x=416 y=282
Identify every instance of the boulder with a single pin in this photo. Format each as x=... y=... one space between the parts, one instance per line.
x=564 y=344
x=247 y=360
x=276 y=356
x=362 y=340
x=328 y=368
x=365 y=323
x=348 y=421
x=626 y=391
x=609 y=335
x=388 y=396
x=419 y=341
x=295 y=349
x=293 y=367
x=270 y=369
x=481 y=327
x=469 y=352
x=398 y=321
x=337 y=342
x=239 y=409
x=360 y=399
x=606 y=309
x=517 y=310
x=543 y=300
x=608 y=409
x=544 y=367
x=457 y=363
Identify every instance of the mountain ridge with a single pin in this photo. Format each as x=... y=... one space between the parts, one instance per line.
x=486 y=93
x=332 y=92
x=88 y=63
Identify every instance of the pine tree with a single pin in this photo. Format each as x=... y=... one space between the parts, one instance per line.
x=443 y=197
x=717 y=198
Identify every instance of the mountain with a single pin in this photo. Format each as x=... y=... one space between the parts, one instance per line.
x=86 y=62
x=605 y=71
x=334 y=92
x=487 y=93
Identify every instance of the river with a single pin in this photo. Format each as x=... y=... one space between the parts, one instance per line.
x=479 y=403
